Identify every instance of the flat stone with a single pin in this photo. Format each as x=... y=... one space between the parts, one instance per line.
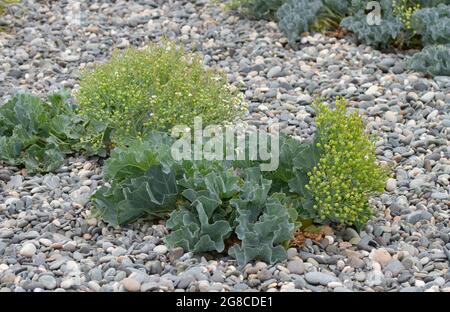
x=48 y=281
x=160 y=249
x=395 y=267
x=185 y=281
x=427 y=97
x=7 y=278
x=381 y=256
x=131 y=284
x=373 y=90
x=375 y=278
x=391 y=116
x=274 y=72
x=440 y=196
x=296 y=267
x=175 y=253
x=319 y=278
x=417 y=216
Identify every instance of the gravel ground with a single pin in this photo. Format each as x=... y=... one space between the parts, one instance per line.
x=49 y=241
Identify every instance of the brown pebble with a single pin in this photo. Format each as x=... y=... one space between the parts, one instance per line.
x=56 y=246
x=427 y=164
x=131 y=284
x=397 y=158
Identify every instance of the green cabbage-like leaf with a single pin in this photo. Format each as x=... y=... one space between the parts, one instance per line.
x=138 y=157
x=434 y=60
x=262 y=239
x=254 y=194
x=10 y=148
x=38 y=134
x=152 y=195
x=194 y=231
x=230 y=200
x=194 y=172
x=379 y=36
x=195 y=226
x=433 y=24
x=295 y=16
x=46 y=159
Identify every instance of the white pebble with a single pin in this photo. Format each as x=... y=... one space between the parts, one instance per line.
x=3 y=267
x=391 y=185
x=334 y=284
x=419 y=283
x=28 y=250
x=330 y=239
x=160 y=249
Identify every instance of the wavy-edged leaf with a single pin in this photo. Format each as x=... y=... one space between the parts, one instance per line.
x=38 y=134
x=379 y=36
x=154 y=195
x=434 y=60
x=295 y=17
x=136 y=158
x=261 y=239
x=433 y=24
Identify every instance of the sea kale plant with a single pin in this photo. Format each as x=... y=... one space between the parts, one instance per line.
x=140 y=181
x=234 y=207
x=433 y=24
x=228 y=203
x=380 y=36
x=208 y=201
x=295 y=16
x=433 y=59
x=151 y=89
x=38 y=134
x=404 y=24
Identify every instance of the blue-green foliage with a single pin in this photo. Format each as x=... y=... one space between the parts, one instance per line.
x=433 y=24
x=203 y=223
x=38 y=134
x=208 y=201
x=135 y=159
x=430 y=23
x=340 y=7
x=153 y=194
x=434 y=60
x=228 y=202
x=142 y=181
x=262 y=234
x=295 y=16
x=222 y=202
x=264 y=223
x=291 y=176
x=380 y=36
